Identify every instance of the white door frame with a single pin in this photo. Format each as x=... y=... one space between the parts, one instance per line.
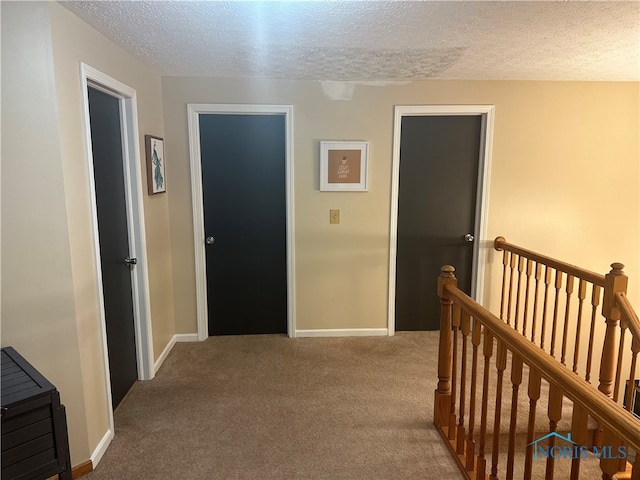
x=486 y=112
x=135 y=221
x=194 y=112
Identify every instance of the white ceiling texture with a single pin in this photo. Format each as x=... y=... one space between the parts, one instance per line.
x=377 y=40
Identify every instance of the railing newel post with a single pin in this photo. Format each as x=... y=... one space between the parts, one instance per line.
x=615 y=281
x=442 y=400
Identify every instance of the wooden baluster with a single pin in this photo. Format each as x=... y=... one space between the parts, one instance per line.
x=547 y=282
x=628 y=401
x=616 y=383
x=622 y=462
x=454 y=372
x=580 y=435
x=505 y=262
x=526 y=297
x=535 y=302
x=442 y=396
x=471 y=443
x=555 y=414
x=512 y=266
x=610 y=465
x=635 y=349
x=582 y=293
x=465 y=324
x=534 y=396
x=517 y=316
x=595 y=302
x=614 y=281
x=501 y=365
x=635 y=472
x=516 y=380
x=487 y=351
x=569 y=292
x=558 y=285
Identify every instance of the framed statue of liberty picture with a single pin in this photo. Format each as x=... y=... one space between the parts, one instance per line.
x=156 y=179
x=344 y=166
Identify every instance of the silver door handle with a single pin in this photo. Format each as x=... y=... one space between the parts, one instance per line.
x=210 y=240
x=469 y=238
x=131 y=261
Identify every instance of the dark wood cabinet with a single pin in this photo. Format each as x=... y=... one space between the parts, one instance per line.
x=35 y=442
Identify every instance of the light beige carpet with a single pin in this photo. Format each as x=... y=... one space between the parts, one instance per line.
x=270 y=407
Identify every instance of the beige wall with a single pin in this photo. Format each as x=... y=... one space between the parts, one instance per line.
x=75 y=42
x=50 y=306
x=38 y=310
x=564 y=175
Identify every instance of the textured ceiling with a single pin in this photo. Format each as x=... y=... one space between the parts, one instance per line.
x=377 y=40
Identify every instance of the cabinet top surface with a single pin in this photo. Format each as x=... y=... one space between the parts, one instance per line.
x=20 y=380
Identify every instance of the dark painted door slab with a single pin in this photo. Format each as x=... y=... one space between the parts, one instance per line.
x=439 y=158
x=244 y=195
x=106 y=141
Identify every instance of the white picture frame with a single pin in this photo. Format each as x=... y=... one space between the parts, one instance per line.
x=344 y=166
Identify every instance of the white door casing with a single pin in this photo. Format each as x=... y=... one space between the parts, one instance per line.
x=194 y=111
x=135 y=223
x=482 y=193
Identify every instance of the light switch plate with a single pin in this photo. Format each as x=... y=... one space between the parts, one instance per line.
x=334 y=216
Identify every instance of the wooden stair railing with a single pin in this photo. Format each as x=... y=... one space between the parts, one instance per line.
x=538 y=300
x=473 y=339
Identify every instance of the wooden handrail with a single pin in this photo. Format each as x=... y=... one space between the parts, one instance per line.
x=628 y=315
x=619 y=422
x=501 y=244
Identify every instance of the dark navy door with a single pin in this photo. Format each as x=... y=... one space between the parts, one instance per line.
x=108 y=167
x=439 y=158
x=244 y=194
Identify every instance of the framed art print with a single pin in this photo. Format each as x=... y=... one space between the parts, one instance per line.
x=344 y=166
x=156 y=179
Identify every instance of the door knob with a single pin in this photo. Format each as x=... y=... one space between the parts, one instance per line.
x=469 y=238
x=131 y=261
x=210 y=240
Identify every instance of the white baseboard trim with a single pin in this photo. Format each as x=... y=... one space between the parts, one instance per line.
x=344 y=332
x=164 y=354
x=100 y=450
x=186 y=337
x=180 y=337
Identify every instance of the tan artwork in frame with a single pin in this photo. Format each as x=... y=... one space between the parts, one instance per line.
x=344 y=166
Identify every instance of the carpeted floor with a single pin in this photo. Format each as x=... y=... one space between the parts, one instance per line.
x=271 y=408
